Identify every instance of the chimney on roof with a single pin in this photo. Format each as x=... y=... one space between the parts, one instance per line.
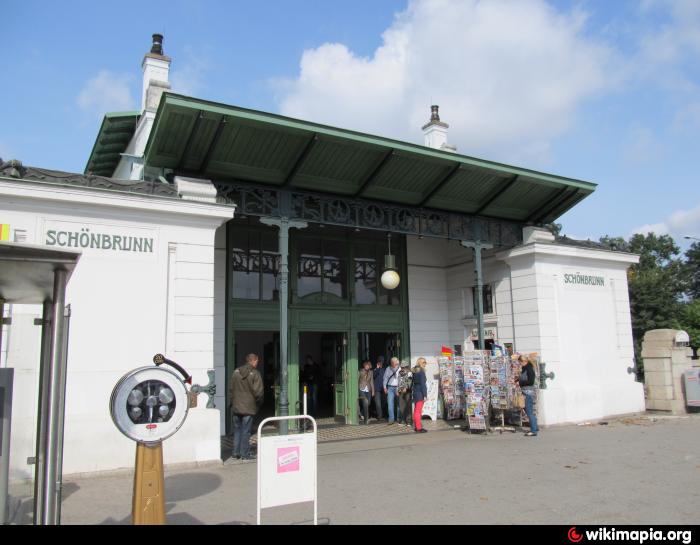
x=156 y=73
x=157 y=46
x=435 y=131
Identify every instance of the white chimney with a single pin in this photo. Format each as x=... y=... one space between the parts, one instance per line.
x=435 y=132
x=156 y=70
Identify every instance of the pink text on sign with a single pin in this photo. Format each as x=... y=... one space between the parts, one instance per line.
x=287 y=459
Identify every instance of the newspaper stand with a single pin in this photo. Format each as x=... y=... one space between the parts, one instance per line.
x=502 y=386
x=476 y=386
x=287 y=467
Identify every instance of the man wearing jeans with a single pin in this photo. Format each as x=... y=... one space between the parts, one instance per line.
x=391 y=383
x=246 y=397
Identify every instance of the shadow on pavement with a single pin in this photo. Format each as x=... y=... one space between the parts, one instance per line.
x=190 y=485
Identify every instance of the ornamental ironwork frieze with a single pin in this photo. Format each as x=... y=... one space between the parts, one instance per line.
x=364 y=214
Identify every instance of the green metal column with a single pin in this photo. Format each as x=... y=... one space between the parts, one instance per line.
x=478 y=247
x=352 y=392
x=284 y=224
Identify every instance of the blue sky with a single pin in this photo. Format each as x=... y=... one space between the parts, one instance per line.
x=603 y=91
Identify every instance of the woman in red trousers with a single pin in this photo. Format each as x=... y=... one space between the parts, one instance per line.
x=420 y=394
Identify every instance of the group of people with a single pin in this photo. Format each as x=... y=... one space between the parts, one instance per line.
x=398 y=388
x=397 y=385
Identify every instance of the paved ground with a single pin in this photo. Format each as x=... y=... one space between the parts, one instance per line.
x=636 y=470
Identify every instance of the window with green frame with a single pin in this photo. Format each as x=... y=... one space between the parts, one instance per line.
x=340 y=269
x=321 y=269
x=368 y=259
x=255 y=264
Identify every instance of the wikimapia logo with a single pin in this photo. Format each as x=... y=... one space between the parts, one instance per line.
x=637 y=536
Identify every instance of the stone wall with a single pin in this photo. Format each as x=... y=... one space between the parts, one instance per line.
x=664 y=365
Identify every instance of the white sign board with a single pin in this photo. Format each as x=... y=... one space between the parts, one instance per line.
x=430 y=408
x=286 y=468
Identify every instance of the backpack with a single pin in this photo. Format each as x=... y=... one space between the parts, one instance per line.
x=405 y=382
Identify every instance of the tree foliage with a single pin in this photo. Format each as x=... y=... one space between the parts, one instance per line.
x=692 y=270
x=689 y=321
x=656 y=283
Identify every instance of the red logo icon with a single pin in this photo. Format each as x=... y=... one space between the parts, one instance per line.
x=573 y=535
x=151 y=426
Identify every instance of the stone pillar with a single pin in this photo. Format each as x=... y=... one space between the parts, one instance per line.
x=665 y=361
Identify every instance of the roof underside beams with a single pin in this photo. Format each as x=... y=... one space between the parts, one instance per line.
x=226 y=143
x=112 y=140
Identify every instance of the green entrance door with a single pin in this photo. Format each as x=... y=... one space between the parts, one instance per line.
x=333 y=349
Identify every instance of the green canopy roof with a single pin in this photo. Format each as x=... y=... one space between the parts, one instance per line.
x=114 y=136
x=220 y=142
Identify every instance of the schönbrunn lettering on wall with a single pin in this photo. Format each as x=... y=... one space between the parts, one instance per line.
x=584 y=279
x=105 y=239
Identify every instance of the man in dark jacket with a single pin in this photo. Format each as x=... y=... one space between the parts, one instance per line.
x=246 y=395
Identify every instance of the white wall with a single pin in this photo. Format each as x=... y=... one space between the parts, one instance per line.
x=440 y=280
x=582 y=332
x=126 y=307
x=220 y=322
x=427 y=296
x=460 y=281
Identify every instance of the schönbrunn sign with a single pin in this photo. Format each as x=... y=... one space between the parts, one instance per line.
x=580 y=279
x=104 y=238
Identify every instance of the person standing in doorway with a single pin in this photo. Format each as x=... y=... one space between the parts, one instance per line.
x=391 y=385
x=420 y=394
x=310 y=377
x=379 y=395
x=404 y=393
x=527 y=385
x=366 y=385
x=246 y=398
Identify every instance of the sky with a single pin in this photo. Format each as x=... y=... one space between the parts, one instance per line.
x=598 y=90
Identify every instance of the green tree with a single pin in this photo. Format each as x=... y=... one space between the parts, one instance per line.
x=615 y=243
x=655 y=284
x=692 y=270
x=555 y=228
x=689 y=321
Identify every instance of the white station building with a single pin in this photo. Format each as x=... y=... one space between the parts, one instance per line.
x=181 y=217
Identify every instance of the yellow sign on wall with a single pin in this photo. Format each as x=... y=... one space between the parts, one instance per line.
x=4 y=231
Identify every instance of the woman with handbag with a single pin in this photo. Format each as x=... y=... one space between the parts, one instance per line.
x=420 y=394
x=527 y=385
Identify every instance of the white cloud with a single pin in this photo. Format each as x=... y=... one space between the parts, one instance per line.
x=509 y=76
x=106 y=92
x=680 y=36
x=679 y=224
x=667 y=50
x=187 y=78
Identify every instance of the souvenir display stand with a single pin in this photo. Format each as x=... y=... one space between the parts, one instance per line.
x=452 y=386
x=476 y=390
x=479 y=382
x=503 y=375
